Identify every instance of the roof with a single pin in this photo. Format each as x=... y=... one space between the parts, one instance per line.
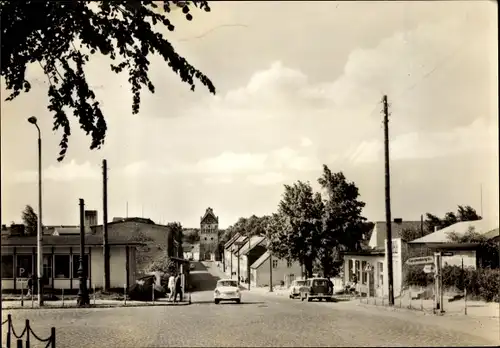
x=261 y=260
x=209 y=217
x=238 y=243
x=379 y=232
x=251 y=243
x=232 y=240
x=373 y=252
x=90 y=239
x=66 y=230
x=483 y=227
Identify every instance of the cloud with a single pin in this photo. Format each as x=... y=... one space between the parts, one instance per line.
x=229 y=162
x=476 y=137
x=269 y=178
x=68 y=171
x=305 y=142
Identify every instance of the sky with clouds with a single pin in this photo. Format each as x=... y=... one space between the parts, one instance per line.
x=299 y=84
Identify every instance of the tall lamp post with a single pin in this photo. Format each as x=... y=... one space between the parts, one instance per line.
x=39 y=232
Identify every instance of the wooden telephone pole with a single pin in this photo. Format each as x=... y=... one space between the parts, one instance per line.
x=390 y=280
x=105 y=224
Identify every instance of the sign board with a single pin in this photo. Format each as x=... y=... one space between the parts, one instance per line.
x=420 y=260
x=429 y=268
x=447 y=253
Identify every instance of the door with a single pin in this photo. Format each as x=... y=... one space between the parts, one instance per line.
x=47 y=271
x=371 y=284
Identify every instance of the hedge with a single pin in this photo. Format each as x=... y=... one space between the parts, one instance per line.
x=482 y=283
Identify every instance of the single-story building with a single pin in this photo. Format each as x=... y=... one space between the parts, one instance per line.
x=250 y=252
x=228 y=253
x=462 y=252
x=282 y=270
x=61 y=261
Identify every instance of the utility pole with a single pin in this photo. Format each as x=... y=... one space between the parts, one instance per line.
x=270 y=272
x=105 y=244
x=390 y=280
x=421 y=225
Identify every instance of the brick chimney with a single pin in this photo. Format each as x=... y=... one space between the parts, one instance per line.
x=90 y=220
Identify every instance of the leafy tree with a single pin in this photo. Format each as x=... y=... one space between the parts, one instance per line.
x=191 y=235
x=30 y=221
x=342 y=223
x=464 y=213
x=295 y=231
x=62 y=36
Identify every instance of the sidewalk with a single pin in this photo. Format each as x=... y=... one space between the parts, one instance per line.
x=93 y=304
x=478 y=309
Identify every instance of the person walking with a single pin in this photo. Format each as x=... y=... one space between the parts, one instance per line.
x=178 y=288
x=30 y=285
x=171 y=287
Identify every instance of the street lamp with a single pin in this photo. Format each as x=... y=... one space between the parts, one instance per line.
x=39 y=232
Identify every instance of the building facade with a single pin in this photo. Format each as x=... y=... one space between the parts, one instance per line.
x=283 y=271
x=209 y=236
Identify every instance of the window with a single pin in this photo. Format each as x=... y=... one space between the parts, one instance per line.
x=275 y=263
x=350 y=270
x=47 y=266
x=211 y=238
x=363 y=273
x=380 y=271
x=7 y=266
x=205 y=238
x=289 y=263
x=76 y=264
x=62 y=266
x=24 y=266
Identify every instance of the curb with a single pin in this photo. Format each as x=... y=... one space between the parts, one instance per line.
x=100 y=306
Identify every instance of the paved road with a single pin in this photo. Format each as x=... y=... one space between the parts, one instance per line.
x=261 y=320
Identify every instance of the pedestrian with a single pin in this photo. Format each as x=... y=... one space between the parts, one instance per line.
x=178 y=288
x=171 y=286
x=30 y=285
x=330 y=286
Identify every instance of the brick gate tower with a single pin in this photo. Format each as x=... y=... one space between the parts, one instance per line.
x=209 y=236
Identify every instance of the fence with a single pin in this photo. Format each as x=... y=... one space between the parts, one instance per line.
x=27 y=333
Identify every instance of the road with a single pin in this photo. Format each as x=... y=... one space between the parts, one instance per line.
x=261 y=320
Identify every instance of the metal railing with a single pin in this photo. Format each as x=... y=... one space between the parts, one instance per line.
x=27 y=334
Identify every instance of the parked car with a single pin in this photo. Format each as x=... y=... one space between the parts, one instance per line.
x=227 y=290
x=297 y=287
x=318 y=288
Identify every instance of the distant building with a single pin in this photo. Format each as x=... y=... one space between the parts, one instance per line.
x=209 y=236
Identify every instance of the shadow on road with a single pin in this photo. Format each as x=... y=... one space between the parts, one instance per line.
x=230 y=303
x=201 y=280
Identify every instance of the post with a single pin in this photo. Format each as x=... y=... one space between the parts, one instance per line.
x=105 y=224
x=63 y=297
x=390 y=280
x=421 y=225
x=437 y=283
x=153 y=293
x=270 y=272
x=125 y=294
x=441 y=292
x=94 y=292
x=22 y=294
x=40 y=226
x=53 y=336
x=409 y=292
x=248 y=261
x=238 y=265
x=465 y=298
x=27 y=333
x=83 y=295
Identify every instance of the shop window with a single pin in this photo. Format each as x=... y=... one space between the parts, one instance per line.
x=62 y=266
x=7 y=266
x=364 y=278
x=24 y=266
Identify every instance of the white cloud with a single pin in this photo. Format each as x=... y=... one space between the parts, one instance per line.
x=67 y=171
x=305 y=142
x=136 y=169
x=220 y=179
x=230 y=162
x=476 y=137
x=269 y=178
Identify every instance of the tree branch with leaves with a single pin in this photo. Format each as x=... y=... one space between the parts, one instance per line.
x=62 y=36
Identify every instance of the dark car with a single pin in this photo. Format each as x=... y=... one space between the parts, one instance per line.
x=318 y=288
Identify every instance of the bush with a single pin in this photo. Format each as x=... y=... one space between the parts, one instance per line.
x=483 y=283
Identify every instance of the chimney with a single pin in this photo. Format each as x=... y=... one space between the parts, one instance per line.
x=90 y=219
x=435 y=228
x=398 y=220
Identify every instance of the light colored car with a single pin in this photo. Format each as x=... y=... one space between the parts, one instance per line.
x=298 y=287
x=227 y=290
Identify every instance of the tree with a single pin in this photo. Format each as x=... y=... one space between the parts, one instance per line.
x=464 y=213
x=342 y=222
x=191 y=235
x=30 y=221
x=409 y=234
x=295 y=231
x=62 y=36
